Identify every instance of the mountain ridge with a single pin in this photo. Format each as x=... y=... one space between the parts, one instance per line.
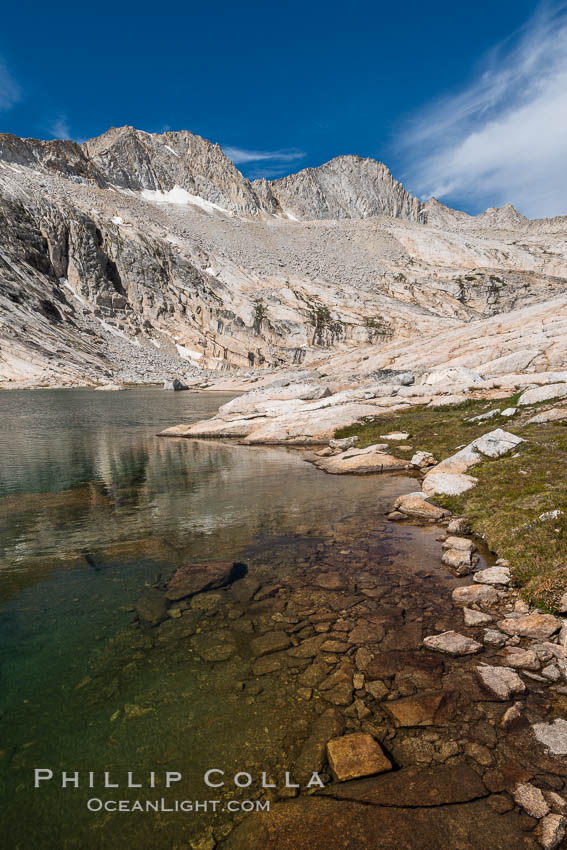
x=346 y=186
x=139 y=257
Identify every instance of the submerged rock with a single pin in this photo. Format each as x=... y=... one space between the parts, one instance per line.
x=521 y=659
x=452 y=643
x=358 y=754
x=502 y=682
x=186 y=581
x=270 y=642
x=330 y=724
x=214 y=646
x=414 y=787
x=553 y=735
x=419 y=710
x=531 y=800
x=320 y=823
x=551 y=831
x=151 y=607
x=174 y=630
x=475 y=618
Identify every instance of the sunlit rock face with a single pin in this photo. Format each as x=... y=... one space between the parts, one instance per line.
x=145 y=257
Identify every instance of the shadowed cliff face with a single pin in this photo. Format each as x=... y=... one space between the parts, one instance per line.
x=139 y=257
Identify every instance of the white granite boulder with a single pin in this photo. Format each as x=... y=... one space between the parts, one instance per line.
x=447 y=484
x=544 y=393
x=493 y=575
x=452 y=643
x=501 y=682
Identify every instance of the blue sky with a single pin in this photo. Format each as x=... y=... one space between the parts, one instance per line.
x=437 y=90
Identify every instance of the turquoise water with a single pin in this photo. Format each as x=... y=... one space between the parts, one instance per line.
x=94 y=508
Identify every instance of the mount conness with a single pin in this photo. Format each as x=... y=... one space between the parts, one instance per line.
x=140 y=257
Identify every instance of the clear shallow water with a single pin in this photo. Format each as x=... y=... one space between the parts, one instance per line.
x=83 y=473
x=94 y=507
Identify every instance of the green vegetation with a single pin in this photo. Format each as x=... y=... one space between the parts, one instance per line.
x=321 y=319
x=260 y=313
x=377 y=327
x=512 y=491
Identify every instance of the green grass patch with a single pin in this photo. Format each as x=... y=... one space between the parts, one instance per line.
x=513 y=491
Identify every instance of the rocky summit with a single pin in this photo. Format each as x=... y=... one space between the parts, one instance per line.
x=138 y=257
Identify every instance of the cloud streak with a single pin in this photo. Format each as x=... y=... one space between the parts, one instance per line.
x=241 y=156
x=10 y=91
x=503 y=138
x=59 y=128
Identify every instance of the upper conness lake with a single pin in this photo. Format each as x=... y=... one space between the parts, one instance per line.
x=95 y=508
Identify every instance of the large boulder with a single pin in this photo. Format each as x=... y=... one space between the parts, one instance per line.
x=553 y=735
x=452 y=643
x=447 y=484
x=492 y=444
x=175 y=384
x=493 y=575
x=501 y=682
x=538 y=626
x=418 y=710
x=471 y=594
x=459 y=462
x=545 y=393
x=417 y=505
x=304 y=391
x=423 y=459
x=463 y=544
x=354 y=755
x=457 y=559
x=453 y=375
x=362 y=461
x=496 y=443
x=194 y=578
x=414 y=787
x=151 y=607
x=556 y=414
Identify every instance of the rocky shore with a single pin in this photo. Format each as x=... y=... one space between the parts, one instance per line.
x=439 y=692
x=436 y=704
x=301 y=409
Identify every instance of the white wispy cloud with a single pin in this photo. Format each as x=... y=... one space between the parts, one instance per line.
x=10 y=91
x=241 y=156
x=59 y=128
x=503 y=138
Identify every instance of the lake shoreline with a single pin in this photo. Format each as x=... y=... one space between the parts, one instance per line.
x=323 y=638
